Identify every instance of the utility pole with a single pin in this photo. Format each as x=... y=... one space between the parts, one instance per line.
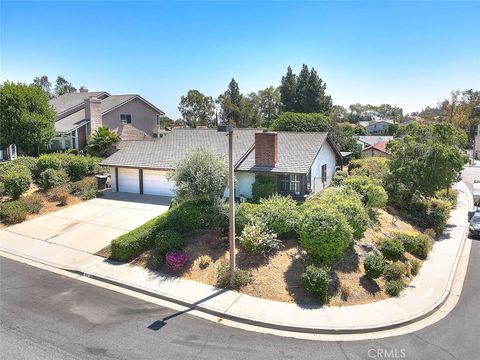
x=231 y=198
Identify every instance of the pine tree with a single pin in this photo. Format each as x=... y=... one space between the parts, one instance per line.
x=304 y=95
x=288 y=91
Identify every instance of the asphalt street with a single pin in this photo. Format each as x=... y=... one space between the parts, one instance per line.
x=49 y=316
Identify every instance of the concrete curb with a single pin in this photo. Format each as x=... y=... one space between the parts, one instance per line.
x=271 y=325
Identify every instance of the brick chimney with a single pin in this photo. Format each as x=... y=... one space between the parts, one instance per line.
x=266 y=148
x=83 y=89
x=93 y=112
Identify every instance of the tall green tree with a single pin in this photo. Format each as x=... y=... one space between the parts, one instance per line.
x=26 y=118
x=427 y=158
x=269 y=104
x=309 y=94
x=43 y=83
x=288 y=91
x=197 y=109
x=230 y=103
x=62 y=86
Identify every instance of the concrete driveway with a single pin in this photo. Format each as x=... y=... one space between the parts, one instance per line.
x=91 y=225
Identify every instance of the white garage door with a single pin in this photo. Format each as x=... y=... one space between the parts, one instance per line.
x=155 y=182
x=128 y=180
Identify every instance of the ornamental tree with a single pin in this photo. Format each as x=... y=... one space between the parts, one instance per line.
x=26 y=118
x=201 y=176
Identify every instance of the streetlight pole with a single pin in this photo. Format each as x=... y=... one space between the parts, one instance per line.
x=231 y=215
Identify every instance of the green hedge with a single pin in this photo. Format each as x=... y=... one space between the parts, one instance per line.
x=183 y=218
x=133 y=243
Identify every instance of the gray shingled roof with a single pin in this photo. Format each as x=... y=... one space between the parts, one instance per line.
x=70 y=122
x=372 y=139
x=296 y=151
x=67 y=101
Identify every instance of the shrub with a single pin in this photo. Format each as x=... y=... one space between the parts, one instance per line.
x=339 y=177
x=33 y=203
x=374 y=266
x=373 y=195
x=188 y=216
x=86 y=188
x=77 y=167
x=348 y=203
x=280 y=214
x=176 y=260
x=325 y=233
x=48 y=161
x=168 y=240
x=13 y=212
x=244 y=214
x=392 y=249
x=59 y=194
x=394 y=271
x=16 y=181
x=155 y=261
x=450 y=196
x=419 y=245
x=414 y=266
x=133 y=243
x=204 y=261
x=2 y=188
x=316 y=281
x=373 y=167
x=257 y=239
x=393 y=287
x=241 y=277
x=263 y=187
x=28 y=161
x=431 y=213
x=51 y=178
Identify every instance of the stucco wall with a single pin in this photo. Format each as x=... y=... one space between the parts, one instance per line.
x=373 y=152
x=243 y=185
x=326 y=155
x=144 y=117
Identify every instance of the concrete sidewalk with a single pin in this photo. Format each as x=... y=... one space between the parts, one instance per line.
x=426 y=293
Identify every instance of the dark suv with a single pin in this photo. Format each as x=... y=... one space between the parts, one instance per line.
x=474 y=224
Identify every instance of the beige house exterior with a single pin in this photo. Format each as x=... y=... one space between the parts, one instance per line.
x=78 y=114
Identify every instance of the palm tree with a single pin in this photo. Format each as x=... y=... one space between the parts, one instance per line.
x=100 y=141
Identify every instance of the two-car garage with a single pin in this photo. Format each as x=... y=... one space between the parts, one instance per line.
x=141 y=181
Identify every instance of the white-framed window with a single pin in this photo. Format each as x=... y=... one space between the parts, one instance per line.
x=290 y=183
x=126 y=118
x=158 y=119
x=324 y=173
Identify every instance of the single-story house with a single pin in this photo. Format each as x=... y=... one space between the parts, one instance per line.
x=376 y=127
x=370 y=140
x=78 y=114
x=302 y=163
x=379 y=149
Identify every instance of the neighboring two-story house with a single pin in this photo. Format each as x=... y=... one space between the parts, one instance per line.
x=78 y=114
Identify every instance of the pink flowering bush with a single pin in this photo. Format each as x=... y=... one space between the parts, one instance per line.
x=176 y=259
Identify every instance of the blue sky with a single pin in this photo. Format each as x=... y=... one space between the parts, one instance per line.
x=408 y=54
